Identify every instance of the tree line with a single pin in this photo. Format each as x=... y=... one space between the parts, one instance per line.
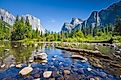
x=23 y=30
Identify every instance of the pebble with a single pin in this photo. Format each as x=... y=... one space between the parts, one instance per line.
x=37 y=79
x=66 y=72
x=89 y=69
x=19 y=66
x=36 y=76
x=47 y=74
x=2 y=66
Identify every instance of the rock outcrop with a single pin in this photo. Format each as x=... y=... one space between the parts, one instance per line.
x=7 y=16
x=73 y=25
x=10 y=19
x=34 y=22
x=97 y=18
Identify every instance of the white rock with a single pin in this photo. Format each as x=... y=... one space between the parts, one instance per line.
x=42 y=55
x=26 y=71
x=44 y=61
x=19 y=66
x=12 y=65
x=37 y=79
x=79 y=56
x=67 y=72
x=35 y=45
x=47 y=74
x=7 y=49
x=2 y=66
x=89 y=69
x=31 y=60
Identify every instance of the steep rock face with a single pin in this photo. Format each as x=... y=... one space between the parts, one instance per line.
x=73 y=25
x=34 y=22
x=76 y=21
x=99 y=18
x=109 y=15
x=93 y=20
x=6 y=16
x=67 y=27
x=10 y=19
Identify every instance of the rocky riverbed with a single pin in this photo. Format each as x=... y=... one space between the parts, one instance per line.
x=59 y=65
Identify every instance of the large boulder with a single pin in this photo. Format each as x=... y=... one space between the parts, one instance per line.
x=25 y=71
x=42 y=56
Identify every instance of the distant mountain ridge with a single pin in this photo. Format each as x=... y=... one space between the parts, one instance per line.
x=10 y=19
x=97 y=18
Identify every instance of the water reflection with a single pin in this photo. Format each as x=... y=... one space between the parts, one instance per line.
x=58 y=61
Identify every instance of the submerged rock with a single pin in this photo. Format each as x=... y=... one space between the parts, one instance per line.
x=47 y=74
x=25 y=71
x=36 y=76
x=89 y=69
x=66 y=72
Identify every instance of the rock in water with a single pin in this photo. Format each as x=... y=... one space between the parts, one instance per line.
x=89 y=69
x=2 y=66
x=79 y=57
x=25 y=71
x=66 y=72
x=19 y=66
x=42 y=56
x=47 y=74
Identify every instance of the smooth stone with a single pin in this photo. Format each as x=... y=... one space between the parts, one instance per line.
x=66 y=72
x=12 y=65
x=53 y=59
x=47 y=74
x=42 y=55
x=35 y=45
x=3 y=65
x=96 y=48
x=89 y=69
x=37 y=79
x=118 y=52
x=7 y=50
x=44 y=61
x=31 y=60
x=52 y=79
x=91 y=79
x=19 y=66
x=26 y=71
x=55 y=56
x=79 y=57
x=95 y=78
x=80 y=71
x=102 y=74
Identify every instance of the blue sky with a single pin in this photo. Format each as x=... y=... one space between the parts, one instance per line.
x=53 y=13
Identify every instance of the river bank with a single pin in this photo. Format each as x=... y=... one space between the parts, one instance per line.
x=97 y=59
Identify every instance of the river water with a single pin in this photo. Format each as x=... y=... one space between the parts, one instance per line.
x=58 y=61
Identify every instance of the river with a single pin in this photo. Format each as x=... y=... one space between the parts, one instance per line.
x=59 y=62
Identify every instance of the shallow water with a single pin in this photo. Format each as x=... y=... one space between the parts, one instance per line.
x=58 y=61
